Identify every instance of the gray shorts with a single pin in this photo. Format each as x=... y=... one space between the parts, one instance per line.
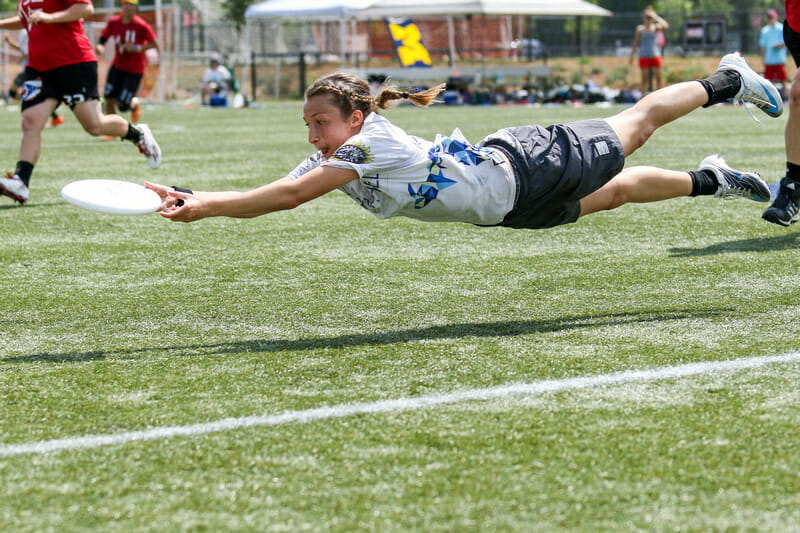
x=555 y=167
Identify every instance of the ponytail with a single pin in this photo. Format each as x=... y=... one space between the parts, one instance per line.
x=348 y=92
x=387 y=95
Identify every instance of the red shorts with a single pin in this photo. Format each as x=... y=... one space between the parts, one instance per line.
x=650 y=62
x=775 y=72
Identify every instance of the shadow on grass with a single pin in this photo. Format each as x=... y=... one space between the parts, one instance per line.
x=767 y=244
x=450 y=331
x=4 y=207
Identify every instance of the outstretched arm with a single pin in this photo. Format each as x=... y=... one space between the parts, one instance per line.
x=285 y=193
x=12 y=23
x=635 y=45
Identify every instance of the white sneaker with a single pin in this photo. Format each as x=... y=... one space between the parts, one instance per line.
x=149 y=147
x=14 y=188
x=755 y=89
x=735 y=183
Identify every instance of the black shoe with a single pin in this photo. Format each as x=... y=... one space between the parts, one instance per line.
x=785 y=210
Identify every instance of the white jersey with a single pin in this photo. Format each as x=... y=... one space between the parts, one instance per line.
x=448 y=180
x=220 y=75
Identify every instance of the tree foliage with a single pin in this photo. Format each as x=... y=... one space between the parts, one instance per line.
x=234 y=12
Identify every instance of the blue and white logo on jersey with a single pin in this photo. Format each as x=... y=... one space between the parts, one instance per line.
x=463 y=152
x=355 y=153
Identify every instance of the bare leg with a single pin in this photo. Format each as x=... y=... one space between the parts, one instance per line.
x=638 y=185
x=636 y=124
x=658 y=75
x=111 y=106
x=96 y=123
x=792 y=132
x=33 y=121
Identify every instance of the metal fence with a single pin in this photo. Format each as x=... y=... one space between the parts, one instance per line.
x=282 y=49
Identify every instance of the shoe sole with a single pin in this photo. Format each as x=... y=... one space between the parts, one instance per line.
x=6 y=192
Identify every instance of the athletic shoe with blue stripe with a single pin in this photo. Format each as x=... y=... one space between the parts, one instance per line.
x=755 y=89
x=735 y=183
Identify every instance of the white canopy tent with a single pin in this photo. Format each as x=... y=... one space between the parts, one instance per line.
x=397 y=8
x=350 y=10
x=317 y=9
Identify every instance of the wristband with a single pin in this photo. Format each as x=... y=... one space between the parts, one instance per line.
x=181 y=189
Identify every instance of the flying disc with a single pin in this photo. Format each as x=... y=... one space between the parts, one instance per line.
x=112 y=196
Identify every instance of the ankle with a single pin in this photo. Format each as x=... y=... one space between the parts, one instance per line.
x=721 y=86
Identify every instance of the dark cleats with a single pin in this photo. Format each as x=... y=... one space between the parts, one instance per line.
x=785 y=210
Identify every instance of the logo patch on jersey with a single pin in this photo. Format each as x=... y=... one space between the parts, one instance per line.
x=30 y=89
x=428 y=191
x=355 y=153
x=463 y=153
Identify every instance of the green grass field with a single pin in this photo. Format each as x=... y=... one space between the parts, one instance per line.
x=112 y=325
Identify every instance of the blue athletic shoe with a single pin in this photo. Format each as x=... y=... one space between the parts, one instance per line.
x=735 y=183
x=755 y=89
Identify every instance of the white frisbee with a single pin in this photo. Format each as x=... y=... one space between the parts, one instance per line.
x=112 y=196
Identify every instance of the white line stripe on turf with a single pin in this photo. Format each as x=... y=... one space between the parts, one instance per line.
x=397 y=405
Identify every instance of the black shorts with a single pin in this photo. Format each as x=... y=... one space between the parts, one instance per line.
x=71 y=84
x=122 y=86
x=792 y=41
x=555 y=167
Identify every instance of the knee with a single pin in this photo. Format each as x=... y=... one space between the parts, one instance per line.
x=94 y=129
x=617 y=194
x=618 y=198
x=794 y=96
x=31 y=124
x=640 y=134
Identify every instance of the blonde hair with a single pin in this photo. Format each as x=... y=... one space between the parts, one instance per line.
x=348 y=92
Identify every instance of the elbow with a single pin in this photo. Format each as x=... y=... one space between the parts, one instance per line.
x=291 y=201
x=88 y=10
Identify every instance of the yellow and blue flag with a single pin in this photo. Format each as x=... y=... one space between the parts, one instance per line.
x=408 y=43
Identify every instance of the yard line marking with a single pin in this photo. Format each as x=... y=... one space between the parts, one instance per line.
x=398 y=405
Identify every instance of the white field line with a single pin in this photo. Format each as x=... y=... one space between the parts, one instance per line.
x=397 y=405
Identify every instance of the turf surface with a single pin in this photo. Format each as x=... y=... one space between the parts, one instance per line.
x=115 y=324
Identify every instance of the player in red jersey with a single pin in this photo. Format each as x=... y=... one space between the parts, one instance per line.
x=132 y=36
x=61 y=67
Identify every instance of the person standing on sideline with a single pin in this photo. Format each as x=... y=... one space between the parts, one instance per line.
x=132 y=36
x=646 y=44
x=773 y=50
x=785 y=209
x=21 y=46
x=62 y=67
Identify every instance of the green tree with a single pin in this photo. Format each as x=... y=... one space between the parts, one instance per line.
x=8 y=6
x=233 y=11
